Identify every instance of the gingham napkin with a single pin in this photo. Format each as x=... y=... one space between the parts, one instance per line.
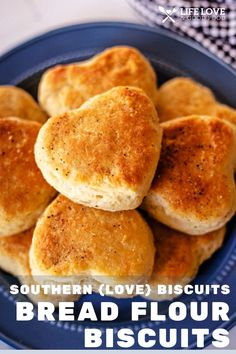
x=216 y=33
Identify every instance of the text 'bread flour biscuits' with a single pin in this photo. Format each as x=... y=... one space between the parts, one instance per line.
x=179 y=256
x=183 y=96
x=71 y=240
x=67 y=87
x=24 y=192
x=15 y=102
x=193 y=190
x=14 y=259
x=103 y=155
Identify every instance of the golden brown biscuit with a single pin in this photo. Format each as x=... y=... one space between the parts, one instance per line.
x=14 y=253
x=183 y=96
x=66 y=87
x=24 y=193
x=179 y=256
x=15 y=102
x=14 y=259
x=224 y=112
x=193 y=190
x=105 y=153
x=71 y=240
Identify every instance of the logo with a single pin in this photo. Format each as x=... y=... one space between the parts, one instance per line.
x=168 y=13
x=193 y=13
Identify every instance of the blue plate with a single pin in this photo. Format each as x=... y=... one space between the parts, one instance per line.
x=171 y=56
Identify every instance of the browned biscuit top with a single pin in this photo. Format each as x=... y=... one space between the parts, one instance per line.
x=15 y=102
x=182 y=96
x=195 y=171
x=71 y=239
x=14 y=253
x=23 y=188
x=68 y=86
x=114 y=136
x=178 y=256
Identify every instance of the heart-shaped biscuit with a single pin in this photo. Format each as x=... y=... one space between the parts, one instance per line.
x=24 y=192
x=193 y=190
x=179 y=256
x=105 y=153
x=183 y=96
x=14 y=259
x=71 y=240
x=14 y=253
x=15 y=102
x=66 y=87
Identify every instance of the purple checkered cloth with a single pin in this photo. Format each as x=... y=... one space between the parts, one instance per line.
x=216 y=33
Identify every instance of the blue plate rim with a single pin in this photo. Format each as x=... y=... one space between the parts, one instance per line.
x=87 y=25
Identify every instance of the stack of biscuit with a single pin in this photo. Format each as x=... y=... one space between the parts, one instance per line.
x=84 y=192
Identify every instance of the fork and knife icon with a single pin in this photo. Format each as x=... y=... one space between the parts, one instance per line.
x=168 y=13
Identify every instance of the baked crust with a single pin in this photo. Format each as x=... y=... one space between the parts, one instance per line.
x=182 y=96
x=24 y=192
x=66 y=87
x=73 y=240
x=15 y=102
x=14 y=259
x=104 y=154
x=14 y=253
x=193 y=190
x=179 y=256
